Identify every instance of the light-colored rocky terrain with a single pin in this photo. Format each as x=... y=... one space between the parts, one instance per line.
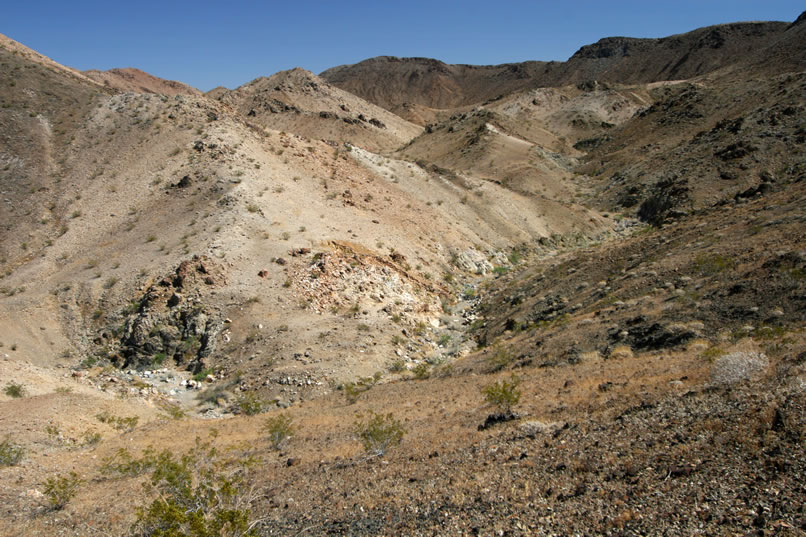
x=621 y=239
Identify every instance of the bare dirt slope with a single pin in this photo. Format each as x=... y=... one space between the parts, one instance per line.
x=296 y=239
x=175 y=270
x=300 y=102
x=135 y=80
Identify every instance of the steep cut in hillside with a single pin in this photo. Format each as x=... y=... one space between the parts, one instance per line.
x=131 y=79
x=298 y=101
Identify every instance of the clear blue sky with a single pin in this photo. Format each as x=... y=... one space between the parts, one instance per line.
x=229 y=43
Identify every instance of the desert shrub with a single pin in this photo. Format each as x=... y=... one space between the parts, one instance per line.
x=91 y=438
x=398 y=366
x=621 y=352
x=158 y=358
x=421 y=371
x=712 y=353
x=379 y=432
x=172 y=411
x=117 y=422
x=198 y=494
x=10 y=453
x=201 y=375
x=14 y=390
x=504 y=394
x=499 y=358
x=250 y=404
x=738 y=366
x=61 y=489
x=279 y=430
x=122 y=463
x=353 y=390
x=709 y=265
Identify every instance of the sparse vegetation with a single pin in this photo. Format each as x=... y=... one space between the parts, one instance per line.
x=710 y=265
x=10 y=454
x=503 y=394
x=14 y=389
x=199 y=493
x=353 y=390
x=118 y=422
x=61 y=489
x=379 y=432
x=421 y=371
x=500 y=358
x=250 y=404
x=172 y=411
x=279 y=429
x=202 y=375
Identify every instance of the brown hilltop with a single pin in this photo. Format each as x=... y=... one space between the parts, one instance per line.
x=389 y=81
x=300 y=102
x=392 y=82
x=131 y=79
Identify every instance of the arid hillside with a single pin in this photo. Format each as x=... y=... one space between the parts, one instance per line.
x=394 y=82
x=135 y=80
x=409 y=298
x=299 y=101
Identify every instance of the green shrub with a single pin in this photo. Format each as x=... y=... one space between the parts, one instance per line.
x=503 y=394
x=379 y=432
x=10 y=454
x=421 y=371
x=398 y=366
x=279 y=429
x=61 y=489
x=91 y=438
x=353 y=390
x=14 y=390
x=124 y=464
x=196 y=494
x=500 y=358
x=173 y=411
x=118 y=422
x=709 y=265
x=201 y=375
x=250 y=404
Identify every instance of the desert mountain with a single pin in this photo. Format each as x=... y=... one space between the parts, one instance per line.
x=533 y=299
x=390 y=82
x=135 y=80
x=18 y=49
x=300 y=102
